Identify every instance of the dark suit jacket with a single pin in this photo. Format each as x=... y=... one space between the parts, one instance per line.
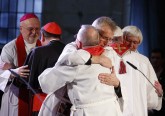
x=41 y=58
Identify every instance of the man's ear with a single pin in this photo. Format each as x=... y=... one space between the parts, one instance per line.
x=79 y=44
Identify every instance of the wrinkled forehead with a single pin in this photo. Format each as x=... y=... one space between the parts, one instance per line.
x=32 y=22
x=131 y=37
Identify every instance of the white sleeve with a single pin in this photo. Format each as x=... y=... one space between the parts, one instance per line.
x=69 y=48
x=79 y=57
x=54 y=78
x=8 y=53
x=4 y=77
x=71 y=56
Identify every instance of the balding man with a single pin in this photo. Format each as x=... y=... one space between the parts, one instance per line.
x=15 y=97
x=87 y=94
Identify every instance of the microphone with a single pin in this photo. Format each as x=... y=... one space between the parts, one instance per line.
x=133 y=66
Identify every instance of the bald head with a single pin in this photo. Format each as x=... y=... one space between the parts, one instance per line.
x=88 y=36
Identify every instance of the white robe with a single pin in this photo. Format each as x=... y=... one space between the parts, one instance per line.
x=64 y=59
x=140 y=95
x=9 y=105
x=88 y=96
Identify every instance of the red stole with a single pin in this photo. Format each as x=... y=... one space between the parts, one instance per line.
x=23 y=104
x=97 y=50
x=121 y=50
x=21 y=52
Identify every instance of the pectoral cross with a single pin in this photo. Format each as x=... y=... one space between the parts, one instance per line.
x=119 y=48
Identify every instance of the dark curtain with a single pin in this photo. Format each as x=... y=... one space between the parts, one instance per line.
x=143 y=14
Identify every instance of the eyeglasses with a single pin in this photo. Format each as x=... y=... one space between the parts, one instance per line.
x=105 y=38
x=132 y=41
x=32 y=29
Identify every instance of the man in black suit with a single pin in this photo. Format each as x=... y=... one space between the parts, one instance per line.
x=41 y=58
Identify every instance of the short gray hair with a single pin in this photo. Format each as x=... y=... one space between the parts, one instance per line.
x=133 y=31
x=104 y=21
x=88 y=35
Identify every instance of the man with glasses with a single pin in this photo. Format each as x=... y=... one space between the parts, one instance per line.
x=87 y=94
x=132 y=37
x=106 y=27
x=15 y=98
x=141 y=95
x=138 y=94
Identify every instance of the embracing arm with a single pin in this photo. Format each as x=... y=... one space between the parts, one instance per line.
x=82 y=57
x=111 y=80
x=54 y=78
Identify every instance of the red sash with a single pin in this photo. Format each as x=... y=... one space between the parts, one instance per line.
x=97 y=50
x=21 y=52
x=23 y=104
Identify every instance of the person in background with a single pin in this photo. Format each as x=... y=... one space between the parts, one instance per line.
x=133 y=37
x=157 y=61
x=141 y=95
x=82 y=80
x=15 y=98
x=41 y=58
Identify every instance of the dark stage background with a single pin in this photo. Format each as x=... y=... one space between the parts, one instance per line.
x=70 y=14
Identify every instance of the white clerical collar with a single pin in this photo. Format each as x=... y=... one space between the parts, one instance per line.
x=29 y=47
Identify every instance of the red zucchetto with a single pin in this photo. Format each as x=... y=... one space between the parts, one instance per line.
x=28 y=16
x=53 y=28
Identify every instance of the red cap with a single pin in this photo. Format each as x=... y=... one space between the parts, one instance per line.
x=28 y=16
x=53 y=28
